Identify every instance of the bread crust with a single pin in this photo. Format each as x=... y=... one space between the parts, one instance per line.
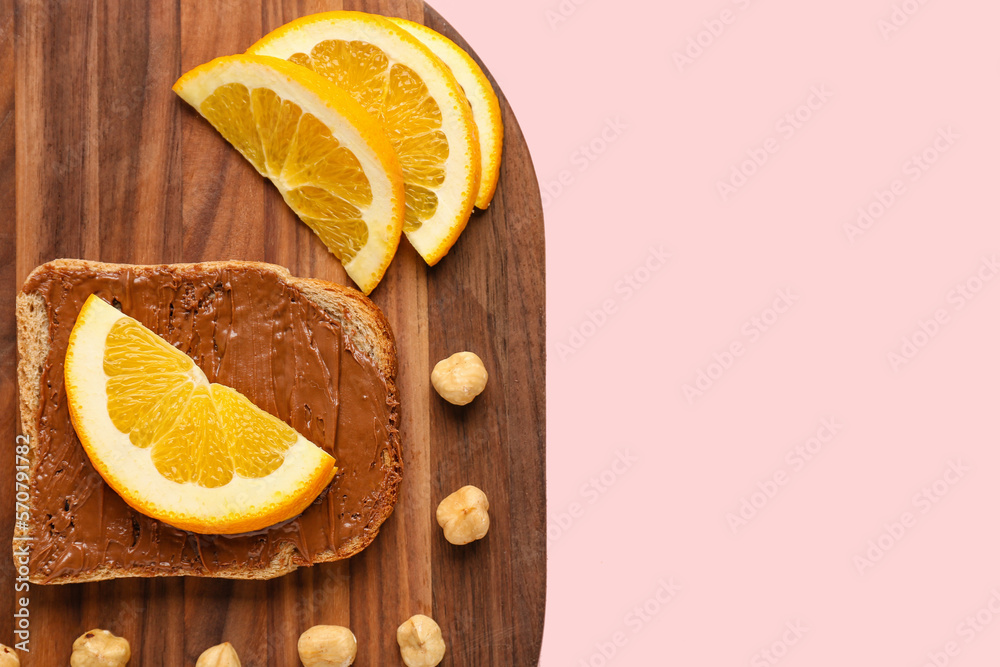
x=365 y=326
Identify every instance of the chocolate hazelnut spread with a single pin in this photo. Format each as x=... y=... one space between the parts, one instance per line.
x=251 y=330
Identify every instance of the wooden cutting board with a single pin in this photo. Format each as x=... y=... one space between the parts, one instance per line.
x=100 y=160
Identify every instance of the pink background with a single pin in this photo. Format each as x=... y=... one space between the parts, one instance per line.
x=619 y=356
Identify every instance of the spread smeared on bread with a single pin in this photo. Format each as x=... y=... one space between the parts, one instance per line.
x=318 y=356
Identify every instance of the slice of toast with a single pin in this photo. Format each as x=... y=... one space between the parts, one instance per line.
x=270 y=335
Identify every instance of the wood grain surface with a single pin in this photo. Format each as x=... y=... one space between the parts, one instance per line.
x=99 y=160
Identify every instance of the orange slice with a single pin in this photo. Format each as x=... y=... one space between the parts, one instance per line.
x=484 y=102
x=331 y=161
x=417 y=100
x=196 y=455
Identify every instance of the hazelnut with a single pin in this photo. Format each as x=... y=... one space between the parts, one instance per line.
x=100 y=648
x=459 y=378
x=420 y=641
x=463 y=515
x=8 y=658
x=223 y=655
x=327 y=646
